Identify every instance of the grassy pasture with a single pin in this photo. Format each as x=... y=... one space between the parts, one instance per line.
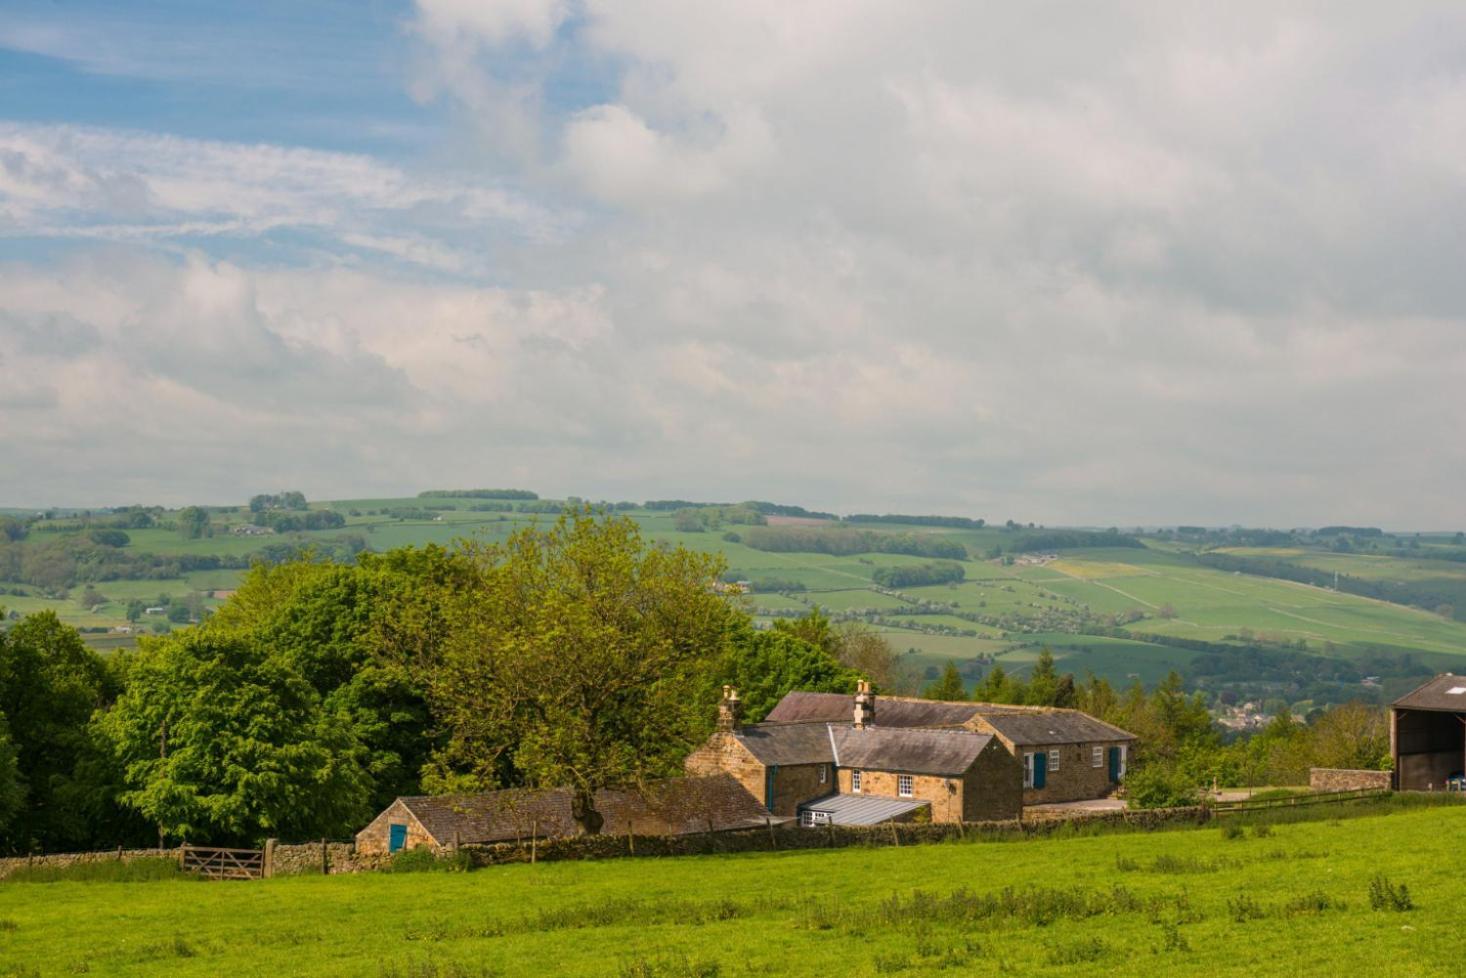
x=1183 y=903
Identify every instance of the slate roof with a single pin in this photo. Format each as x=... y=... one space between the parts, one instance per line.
x=787 y=743
x=940 y=752
x=1053 y=727
x=862 y=809
x=891 y=711
x=674 y=806
x=1019 y=724
x=1437 y=695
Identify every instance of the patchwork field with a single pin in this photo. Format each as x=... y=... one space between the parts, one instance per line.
x=1367 y=896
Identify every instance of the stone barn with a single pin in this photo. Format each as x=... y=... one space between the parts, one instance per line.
x=674 y=806
x=1428 y=735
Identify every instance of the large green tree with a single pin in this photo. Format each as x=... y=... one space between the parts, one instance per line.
x=578 y=660
x=765 y=665
x=948 y=686
x=50 y=684
x=222 y=742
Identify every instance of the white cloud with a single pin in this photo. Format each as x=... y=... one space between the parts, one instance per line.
x=1067 y=264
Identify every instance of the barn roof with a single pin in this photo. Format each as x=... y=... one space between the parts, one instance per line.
x=913 y=750
x=674 y=806
x=862 y=809
x=1053 y=727
x=787 y=743
x=1446 y=693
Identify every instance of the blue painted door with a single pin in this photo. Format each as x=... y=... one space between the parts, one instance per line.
x=396 y=838
x=1114 y=764
x=1040 y=769
x=769 y=774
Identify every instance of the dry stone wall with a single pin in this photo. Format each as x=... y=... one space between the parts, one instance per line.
x=1343 y=779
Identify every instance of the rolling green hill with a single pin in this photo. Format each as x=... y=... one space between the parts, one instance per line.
x=1105 y=603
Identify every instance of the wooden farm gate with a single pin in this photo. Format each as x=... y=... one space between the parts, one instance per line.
x=223 y=864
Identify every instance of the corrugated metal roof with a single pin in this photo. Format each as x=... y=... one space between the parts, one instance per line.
x=913 y=750
x=1446 y=693
x=788 y=743
x=862 y=809
x=1054 y=727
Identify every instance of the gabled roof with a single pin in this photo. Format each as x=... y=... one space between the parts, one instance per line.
x=862 y=809
x=1446 y=693
x=787 y=743
x=891 y=711
x=905 y=749
x=674 y=806
x=1018 y=724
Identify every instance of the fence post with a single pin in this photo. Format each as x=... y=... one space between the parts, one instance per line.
x=119 y=853
x=631 y=836
x=773 y=839
x=534 y=838
x=182 y=852
x=267 y=869
x=325 y=859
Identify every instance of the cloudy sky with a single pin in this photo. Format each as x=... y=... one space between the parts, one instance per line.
x=1062 y=262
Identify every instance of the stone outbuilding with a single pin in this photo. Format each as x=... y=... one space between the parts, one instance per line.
x=674 y=806
x=1428 y=735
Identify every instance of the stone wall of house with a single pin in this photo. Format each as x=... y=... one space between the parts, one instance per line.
x=1076 y=778
x=309 y=859
x=795 y=784
x=724 y=754
x=993 y=787
x=1342 y=779
x=943 y=794
x=375 y=839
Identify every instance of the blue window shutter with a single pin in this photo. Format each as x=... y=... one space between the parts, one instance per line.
x=396 y=838
x=769 y=773
x=1040 y=769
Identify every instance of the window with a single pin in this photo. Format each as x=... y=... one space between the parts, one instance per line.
x=904 y=787
x=824 y=773
x=855 y=782
x=1053 y=760
x=1097 y=757
x=809 y=819
x=1028 y=770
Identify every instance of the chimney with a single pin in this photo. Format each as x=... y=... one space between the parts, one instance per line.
x=865 y=705
x=730 y=711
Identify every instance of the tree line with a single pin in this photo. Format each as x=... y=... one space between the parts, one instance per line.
x=845 y=542
x=575 y=655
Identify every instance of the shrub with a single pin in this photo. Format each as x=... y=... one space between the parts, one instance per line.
x=1385 y=895
x=1231 y=830
x=1262 y=830
x=1243 y=908
x=1159 y=786
x=421 y=859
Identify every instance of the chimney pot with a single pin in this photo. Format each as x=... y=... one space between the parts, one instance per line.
x=865 y=705
x=730 y=711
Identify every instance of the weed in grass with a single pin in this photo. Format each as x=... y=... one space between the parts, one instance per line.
x=147 y=870
x=1168 y=863
x=1312 y=903
x=7 y=924
x=1172 y=940
x=181 y=947
x=1124 y=864
x=1243 y=908
x=1262 y=830
x=1385 y=895
x=1080 y=952
x=432 y=969
x=672 y=966
x=1231 y=830
x=890 y=964
x=21 y=971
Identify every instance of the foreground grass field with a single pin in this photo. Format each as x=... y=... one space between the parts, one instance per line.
x=1296 y=901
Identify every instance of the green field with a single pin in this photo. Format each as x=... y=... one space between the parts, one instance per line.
x=1006 y=605
x=1183 y=902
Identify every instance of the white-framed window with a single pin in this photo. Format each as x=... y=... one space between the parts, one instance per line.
x=809 y=819
x=905 y=786
x=1097 y=757
x=855 y=782
x=1028 y=770
x=824 y=773
x=1054 y=760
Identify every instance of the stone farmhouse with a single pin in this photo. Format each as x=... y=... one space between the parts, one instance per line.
x=834 y=758
x=674 y=806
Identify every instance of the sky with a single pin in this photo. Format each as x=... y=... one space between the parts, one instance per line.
x=1062 y=262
